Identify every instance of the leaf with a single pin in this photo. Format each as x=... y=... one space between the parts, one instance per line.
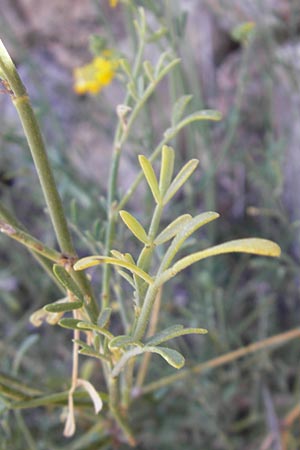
x=172 y=229
x=149 y=70
x=126 y=67
x=83 y=344
x=122 y=256
x=62 y=307
x=255 y=246
x=71 y=324
x=161 y=62
x=92 y=353
x=39 y=316
x=123 y=341
x=132 y=90
x=179 y=108
x=162 y=31
x=127 y=277
x=156 y=339
x=167 y=168
x=150 y=177
x=117 y=254
x=67 y=281
x=104 y=317
x=180 y=179
x=195 y=117
x=173 y=357
x=188 y=229
x=81 y=325
x=173 y=332
x=125 y=358
x=206 y=114
x=165 y=70
x=91 y=261
x=134 y=226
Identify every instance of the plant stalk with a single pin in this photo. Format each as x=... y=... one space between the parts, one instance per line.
x=36 y=144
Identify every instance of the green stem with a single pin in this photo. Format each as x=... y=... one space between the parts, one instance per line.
x=120 y=137
x=36 y=144
x=29 y=241
x=46 y=263
x=145 y=257
x=114 y=409
x=57 y=399
x=144 y=316
x=143 y=369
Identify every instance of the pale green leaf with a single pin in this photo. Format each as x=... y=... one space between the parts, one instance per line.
x=161 y=62
x=58 y=307
x=208 y=114
x=165 y=70
x=125 y=358
x=164 y=66
x=162 y=31
x=180 y=179
x=172 y=229
x=149 y=70
x=156 y=339
x=117 y=254
x=69 y=323
x=67 y=281
x=83 y=344
x=195 y=117
x=173 y=332
x=127 y=277
x=150 y=177
x=179 y=108
x=187 y=230
x=255 y=246
x=134 y=226
x=92 y=353
x=89 y=351
x=122 y=256
x=129 y=258
x=39 y=316
x=123 y=341
x=91 y=261
x=126 y=67
x=104 y=317
x=132 y=90
x=174 y=358
x=167 y=168
x=81 y=325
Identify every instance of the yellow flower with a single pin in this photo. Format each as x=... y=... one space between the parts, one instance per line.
x=92 y=77
x=113 y=3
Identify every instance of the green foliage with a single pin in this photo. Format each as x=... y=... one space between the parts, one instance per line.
x=118 y=329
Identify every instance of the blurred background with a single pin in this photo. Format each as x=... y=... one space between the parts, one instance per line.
x=249 y=173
